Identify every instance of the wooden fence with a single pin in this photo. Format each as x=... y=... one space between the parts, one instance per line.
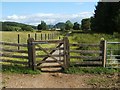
x=86 y=54
x=11 y=52
x=38 y=36
x=72 y=53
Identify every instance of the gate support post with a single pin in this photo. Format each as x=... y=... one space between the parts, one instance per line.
x=66 y=53
x=103 y=49
x=31 y=53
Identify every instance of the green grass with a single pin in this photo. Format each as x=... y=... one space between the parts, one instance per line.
x=92 y=37
x=92 y=70
x=12 y=36
x=18 y=69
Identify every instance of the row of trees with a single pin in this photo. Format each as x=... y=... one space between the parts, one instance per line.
x=68 y=25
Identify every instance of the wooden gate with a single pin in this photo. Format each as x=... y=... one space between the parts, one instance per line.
x=40 y=52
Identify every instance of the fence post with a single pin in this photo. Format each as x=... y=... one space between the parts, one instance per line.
x=45 y=36
x=66 y=53
x=103 y=49
x=18 y=41
x=35 y=36
x=48 y=36
x=28 y=35
x=41 y=36
x=31 y=53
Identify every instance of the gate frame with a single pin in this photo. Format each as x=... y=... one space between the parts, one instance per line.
x=32 y=55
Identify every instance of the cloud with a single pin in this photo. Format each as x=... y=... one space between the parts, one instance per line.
x=49 y=18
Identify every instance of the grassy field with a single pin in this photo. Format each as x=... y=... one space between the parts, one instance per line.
x=12 y=36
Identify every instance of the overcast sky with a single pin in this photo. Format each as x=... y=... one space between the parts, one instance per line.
x=50 y=12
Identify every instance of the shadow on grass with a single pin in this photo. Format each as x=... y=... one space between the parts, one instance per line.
x=18 y=69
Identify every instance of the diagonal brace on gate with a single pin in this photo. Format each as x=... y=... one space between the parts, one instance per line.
x=49 y=54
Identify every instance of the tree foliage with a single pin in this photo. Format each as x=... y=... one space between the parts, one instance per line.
x=85 y=24
x=68 y=25
x=42 y=26
x=106 y=18
x=76 y=26
x=27 y=28
x=14 y=26
x=60 y=25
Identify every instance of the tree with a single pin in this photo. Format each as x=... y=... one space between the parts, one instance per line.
x=85 y=24
x=42 y=26
x=76 y=26
x=27 y=28
x=68 y=25
x=106 y=17
x=60 y=25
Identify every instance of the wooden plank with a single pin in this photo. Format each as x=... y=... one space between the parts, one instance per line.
x=84 y=44
x=13 y=44
x=50 y=41
x=42 y=56
x=13 y=61
x=35 y=36
x=31 y=54
x=13 y=56
x=18 y=41
x=49 y=54
x=66 y=53
x=93 y=60
x=86 y=51
x=37 y=49
x=113 y=55
x=86 y=57
x=84 y=64
x=48 y=61
x=18 y=51
x=55 y=66
x=103 y=48
x=113 y=42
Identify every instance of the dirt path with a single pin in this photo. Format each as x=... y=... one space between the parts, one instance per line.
x=52 y=68
x=57 y=80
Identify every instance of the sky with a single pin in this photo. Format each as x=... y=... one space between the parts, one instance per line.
x=51 y=12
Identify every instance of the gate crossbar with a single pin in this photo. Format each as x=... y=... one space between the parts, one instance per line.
x=48 y=55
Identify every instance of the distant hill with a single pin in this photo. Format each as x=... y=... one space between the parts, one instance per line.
x=15 y=26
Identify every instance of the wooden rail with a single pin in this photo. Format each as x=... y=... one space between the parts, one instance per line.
x=87 y=57
x=84 y=45
x=42 y=56
x=17 y=51
x=37 y=49
x=13 y=56
x=86 y=51
x=13 y=44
